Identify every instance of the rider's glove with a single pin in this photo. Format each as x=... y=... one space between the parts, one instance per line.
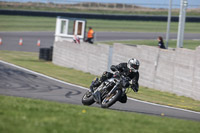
x=113 y=68
x=116 y=75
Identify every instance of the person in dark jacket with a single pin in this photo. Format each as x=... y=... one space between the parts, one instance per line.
x=129 y=69
x=160 y=42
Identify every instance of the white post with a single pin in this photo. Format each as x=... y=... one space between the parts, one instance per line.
x=168 y=23
x=181 y=26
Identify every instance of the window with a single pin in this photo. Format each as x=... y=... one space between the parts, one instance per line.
x=67 y=28
x=63 y=27
x=71 y=27
x=80 y=24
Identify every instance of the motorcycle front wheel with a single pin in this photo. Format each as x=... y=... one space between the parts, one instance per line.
x=87 y=98
x=111 y=99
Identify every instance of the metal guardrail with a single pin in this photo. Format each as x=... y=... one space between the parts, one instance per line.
x=96 y=16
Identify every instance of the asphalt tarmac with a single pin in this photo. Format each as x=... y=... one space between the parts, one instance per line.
x=10 y=40
x=17 y=81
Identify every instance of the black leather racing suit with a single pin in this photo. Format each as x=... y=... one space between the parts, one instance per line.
x=124 y=70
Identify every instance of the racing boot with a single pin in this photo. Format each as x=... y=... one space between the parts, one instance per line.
x=123 y=98
x=96 y=82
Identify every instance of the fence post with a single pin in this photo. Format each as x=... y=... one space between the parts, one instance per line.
x=110 y=58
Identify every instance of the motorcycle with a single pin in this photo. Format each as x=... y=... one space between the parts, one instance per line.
x=108 y=93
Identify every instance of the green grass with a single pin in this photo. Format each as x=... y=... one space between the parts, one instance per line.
x=23 y=115
x=27 y=23
x=190 y=44
x=30 y=61
x=139 y=26
x=166 y=98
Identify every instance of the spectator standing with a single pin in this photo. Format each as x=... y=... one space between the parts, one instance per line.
x=161 y=43
x=90 y=35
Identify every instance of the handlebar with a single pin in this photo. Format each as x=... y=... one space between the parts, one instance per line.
x=118 y=75
x=122 y=79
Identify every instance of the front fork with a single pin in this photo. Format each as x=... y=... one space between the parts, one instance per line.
x=92 y=85
x=97 y=94
x=113 y=89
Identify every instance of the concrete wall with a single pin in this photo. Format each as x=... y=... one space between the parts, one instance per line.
x=145 y=54
x=196 y=75
x=84 y=57
x=176 y=71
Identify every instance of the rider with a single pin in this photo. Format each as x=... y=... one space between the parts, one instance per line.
x=129 y=69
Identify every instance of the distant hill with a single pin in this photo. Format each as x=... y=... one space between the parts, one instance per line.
x=101 y=8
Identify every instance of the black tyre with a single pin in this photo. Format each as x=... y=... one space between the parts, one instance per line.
x=87 y=98
x=45 y=54
x=110 y=100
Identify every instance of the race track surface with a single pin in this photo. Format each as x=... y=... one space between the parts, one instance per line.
x=10 y=40
x=16 y=81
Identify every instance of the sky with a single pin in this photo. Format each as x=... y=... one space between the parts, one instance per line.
x=146 y=3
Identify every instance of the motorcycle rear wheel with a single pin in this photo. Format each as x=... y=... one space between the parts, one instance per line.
x=87 y=98
x=110 y=100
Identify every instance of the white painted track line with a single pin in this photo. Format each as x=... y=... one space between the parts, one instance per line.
x=165 y=106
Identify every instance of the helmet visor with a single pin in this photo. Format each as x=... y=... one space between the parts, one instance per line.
x=134 y=66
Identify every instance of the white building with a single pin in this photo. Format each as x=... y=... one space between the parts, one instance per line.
x=69 y=29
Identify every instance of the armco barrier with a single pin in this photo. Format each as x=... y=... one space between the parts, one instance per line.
x=176 y=71
x=96 y=16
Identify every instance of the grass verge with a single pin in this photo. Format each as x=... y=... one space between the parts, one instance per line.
x=190 y=44
x=30 y=61
x=27 y=23
x=24 y=115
